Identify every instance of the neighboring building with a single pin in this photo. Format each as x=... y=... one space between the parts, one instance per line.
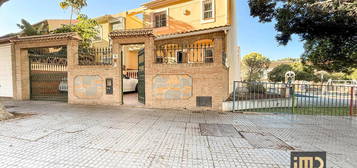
x=53 y=24
x=174 y=16
x=117 y=22
x=6 y=65
x=276 y=63
x=50 y=25
x=6 y=54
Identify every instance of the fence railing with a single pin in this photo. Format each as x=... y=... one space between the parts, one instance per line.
x=177 y=54
x=131 y=74
x=95 y=56
x=48 y=67
x=307 y=99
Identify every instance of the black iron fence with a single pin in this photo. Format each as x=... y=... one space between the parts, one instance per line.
x=190 y=53
x=95 y=56
x=297 y=98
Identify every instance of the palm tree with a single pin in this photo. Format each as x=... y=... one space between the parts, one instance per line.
x=75 y=5
x=30 y=30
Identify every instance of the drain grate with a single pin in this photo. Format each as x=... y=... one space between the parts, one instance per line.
x=10 y=107
x=264 y=140
x=219 y=130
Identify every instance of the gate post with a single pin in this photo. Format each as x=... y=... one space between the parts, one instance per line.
x=351 y=101
x=234 y=95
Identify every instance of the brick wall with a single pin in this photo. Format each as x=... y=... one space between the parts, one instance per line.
x=102 y=72
x=208 y=79
x=95 y=77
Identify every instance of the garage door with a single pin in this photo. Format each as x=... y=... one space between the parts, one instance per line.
x=6 y=87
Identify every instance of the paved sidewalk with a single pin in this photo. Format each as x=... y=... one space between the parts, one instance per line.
x=62 y=135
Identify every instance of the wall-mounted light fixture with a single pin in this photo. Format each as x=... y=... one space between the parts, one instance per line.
x=186 y=12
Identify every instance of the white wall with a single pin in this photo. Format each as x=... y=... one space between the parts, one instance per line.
x=233 y=49
x=6 y=82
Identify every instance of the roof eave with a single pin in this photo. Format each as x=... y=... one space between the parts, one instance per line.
x=59 y=36
x=160 y=3
x=193 y=33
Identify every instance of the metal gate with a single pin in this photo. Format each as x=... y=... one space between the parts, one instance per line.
x=296 y=98
x=141 y=76
x=48 y=74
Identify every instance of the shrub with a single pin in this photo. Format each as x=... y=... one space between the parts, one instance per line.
x=256 y=88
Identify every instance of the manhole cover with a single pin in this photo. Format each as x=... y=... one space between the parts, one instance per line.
x=262 y=140
x=220 y=130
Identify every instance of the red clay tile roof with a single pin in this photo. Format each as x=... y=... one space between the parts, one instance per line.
x=197 y=31
x=149 y=32
x=7 y=39
x=131 y=32
x=59 y=36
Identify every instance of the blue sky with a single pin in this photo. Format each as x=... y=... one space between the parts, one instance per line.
x=252 y=35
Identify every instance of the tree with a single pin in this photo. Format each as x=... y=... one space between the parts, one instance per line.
x=328 y=28
x=256 y=64
x=2 y=2
x=3 y=112
x=278 y=73
x=30 y=30
x=86 y=29
x=304 y=72
x=353 y=75
x=75 y=5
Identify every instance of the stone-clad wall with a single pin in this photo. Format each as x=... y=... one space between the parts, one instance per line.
x=172 y=87
x=207 y=80
x=86 y=85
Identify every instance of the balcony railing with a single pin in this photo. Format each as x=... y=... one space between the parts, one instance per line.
x=178 y=54
x=131 y=73
x=95 y=56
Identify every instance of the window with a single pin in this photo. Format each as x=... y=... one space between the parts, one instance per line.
x=160 y=19
x=99 y=35
x=208 y=55
x=181 y=57
x=207 y=9
x=118 y=24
